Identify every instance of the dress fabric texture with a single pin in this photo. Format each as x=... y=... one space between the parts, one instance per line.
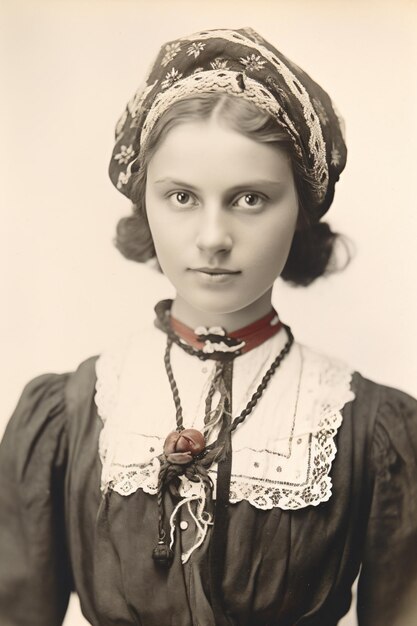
x=60 y=533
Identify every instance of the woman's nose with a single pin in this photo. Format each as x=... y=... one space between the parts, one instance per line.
x=213 y=233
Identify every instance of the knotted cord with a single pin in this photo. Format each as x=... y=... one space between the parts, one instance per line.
x=196 y=468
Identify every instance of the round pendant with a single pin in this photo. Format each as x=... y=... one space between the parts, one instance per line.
x=181 y=446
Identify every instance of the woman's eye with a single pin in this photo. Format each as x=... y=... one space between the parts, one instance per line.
x=250 y=201
x=182 y=199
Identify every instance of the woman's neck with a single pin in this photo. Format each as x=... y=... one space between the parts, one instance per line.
x=230 y=321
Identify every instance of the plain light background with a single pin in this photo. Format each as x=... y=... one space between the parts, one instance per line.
x=67 y=70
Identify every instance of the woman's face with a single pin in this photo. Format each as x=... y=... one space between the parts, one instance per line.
x=222 y=209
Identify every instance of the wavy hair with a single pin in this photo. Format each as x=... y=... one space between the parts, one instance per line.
x=312 y=253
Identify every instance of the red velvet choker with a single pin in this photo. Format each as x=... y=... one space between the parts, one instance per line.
x=215 y=339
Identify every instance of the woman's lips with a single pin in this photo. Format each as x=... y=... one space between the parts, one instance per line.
x=215 y=275
x=214 y=270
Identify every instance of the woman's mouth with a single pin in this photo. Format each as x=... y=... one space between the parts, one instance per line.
x=215 y=270
x=215 y=274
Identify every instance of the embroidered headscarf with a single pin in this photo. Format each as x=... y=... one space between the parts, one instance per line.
x=240 y=63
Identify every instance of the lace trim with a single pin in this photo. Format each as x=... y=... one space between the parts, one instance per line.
x=316 y=142
x=317 y=488
x=108 y=371
x=226 y=80
x=292 y=474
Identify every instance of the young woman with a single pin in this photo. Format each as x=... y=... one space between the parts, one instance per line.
x=211 y=470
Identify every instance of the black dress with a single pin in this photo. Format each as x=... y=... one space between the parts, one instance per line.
x=281 y=567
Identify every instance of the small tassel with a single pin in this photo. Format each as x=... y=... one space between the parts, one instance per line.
x=162 y=554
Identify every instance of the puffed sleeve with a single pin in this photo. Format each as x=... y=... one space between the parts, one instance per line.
x=387 y=593
x=35 y=578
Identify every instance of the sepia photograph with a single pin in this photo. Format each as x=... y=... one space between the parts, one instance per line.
x=209 y=374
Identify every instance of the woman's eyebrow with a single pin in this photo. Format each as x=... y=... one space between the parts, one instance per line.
x=177 y=183
x=272 y=184
x=251 y=184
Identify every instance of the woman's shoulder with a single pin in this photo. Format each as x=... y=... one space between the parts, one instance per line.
x=56 y=397
x=393 y=414
x=54 y=384
x=391 y=407
x=371 y=406
x=377 y=429
x=60 y=388
x=47 y=400
x=365 y=388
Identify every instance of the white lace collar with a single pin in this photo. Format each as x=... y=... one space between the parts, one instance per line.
x=282 y=453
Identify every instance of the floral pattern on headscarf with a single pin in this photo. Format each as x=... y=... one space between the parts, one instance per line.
x=243 y=64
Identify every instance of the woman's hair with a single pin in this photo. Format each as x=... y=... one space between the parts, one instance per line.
x=312 y=250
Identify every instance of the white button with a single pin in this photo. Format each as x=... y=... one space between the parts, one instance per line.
x=183 y=525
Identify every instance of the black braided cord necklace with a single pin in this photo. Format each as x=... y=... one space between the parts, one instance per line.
x=251 y=403
x=185 y=450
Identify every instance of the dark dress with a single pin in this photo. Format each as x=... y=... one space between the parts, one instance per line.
x=281 y=567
